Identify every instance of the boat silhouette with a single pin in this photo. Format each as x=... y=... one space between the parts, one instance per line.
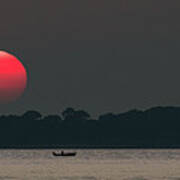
x=62 y=153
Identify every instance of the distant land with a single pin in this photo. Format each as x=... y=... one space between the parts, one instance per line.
x=157 y=127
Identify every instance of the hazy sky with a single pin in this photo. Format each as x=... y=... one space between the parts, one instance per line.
x=98 y=55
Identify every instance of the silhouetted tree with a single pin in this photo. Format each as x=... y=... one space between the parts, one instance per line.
x=107 y=117
x=81 y=115
x=71 y=114
x=155 y=127
x=68 y=113
x=54 y=118
x=31 y=115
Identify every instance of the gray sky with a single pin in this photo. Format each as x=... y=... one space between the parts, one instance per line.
x=97 y=55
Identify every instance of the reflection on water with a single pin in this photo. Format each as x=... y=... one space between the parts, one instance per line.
x=91 y=165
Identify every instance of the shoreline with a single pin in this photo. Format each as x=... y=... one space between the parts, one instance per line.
x=87 y=147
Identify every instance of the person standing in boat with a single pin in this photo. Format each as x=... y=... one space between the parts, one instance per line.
x=62 y=153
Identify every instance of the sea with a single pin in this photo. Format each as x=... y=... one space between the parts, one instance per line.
x=93 y=164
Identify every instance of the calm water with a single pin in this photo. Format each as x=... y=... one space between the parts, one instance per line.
x=91 y=165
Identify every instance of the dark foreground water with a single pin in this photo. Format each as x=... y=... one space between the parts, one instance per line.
x=91 y=165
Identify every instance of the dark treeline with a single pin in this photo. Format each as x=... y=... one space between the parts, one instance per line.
x=155 y=127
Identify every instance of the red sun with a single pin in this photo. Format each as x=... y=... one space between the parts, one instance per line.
x=13 y=77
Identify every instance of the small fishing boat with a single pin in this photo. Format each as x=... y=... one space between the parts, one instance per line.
x=62 y=153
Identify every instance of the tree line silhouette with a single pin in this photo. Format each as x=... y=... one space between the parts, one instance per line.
x=155 y=127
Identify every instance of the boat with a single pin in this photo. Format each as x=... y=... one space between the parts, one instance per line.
x=62 y=153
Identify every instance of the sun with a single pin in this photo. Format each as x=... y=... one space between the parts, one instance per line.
x=13 y=77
